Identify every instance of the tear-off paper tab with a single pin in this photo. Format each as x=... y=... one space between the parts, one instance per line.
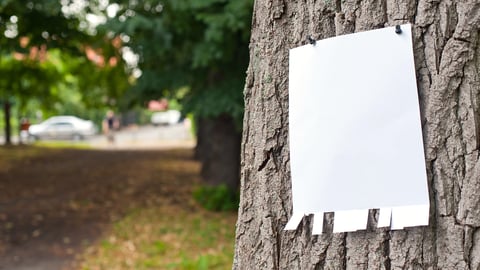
x=355 y=132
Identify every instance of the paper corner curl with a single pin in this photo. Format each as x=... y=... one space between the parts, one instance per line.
x=371 y=155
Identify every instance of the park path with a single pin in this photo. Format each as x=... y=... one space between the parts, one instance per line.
x=56 y=203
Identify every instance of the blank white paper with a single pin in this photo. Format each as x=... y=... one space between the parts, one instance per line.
x=405 y=216
x=350 y=221
x=317 y=227
x=384 y=217
x=294 y=221
x=354 y=123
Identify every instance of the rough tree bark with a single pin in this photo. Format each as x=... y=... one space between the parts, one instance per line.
x=447 y=57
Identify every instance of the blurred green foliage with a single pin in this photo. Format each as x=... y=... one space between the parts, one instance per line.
x=43 y=22
x=199 y=44
x=193 y=52
x=217 y=198
x=45 y=65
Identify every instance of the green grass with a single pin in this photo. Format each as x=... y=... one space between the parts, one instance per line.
x=13 y=154
x=217 y=198
x=62 y=144
x=166 y=238
x=174 y=232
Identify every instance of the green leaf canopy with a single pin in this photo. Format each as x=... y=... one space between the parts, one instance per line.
x=201 y=44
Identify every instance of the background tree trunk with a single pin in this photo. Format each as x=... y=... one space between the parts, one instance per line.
x=447 y=58
x=218 y=149
x=8 y=128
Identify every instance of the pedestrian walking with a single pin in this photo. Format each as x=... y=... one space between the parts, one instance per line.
x=109 y=125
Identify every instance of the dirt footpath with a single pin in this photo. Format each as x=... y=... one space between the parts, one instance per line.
x=55 y=204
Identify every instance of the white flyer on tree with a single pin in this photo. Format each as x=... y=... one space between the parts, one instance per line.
x=355 y=132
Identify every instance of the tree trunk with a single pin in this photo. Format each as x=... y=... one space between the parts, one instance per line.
x=447 y=57
x=8 y=127
x=218 y=148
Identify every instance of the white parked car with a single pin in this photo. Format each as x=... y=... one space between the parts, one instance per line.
x=62 y=127
x=169 y=117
